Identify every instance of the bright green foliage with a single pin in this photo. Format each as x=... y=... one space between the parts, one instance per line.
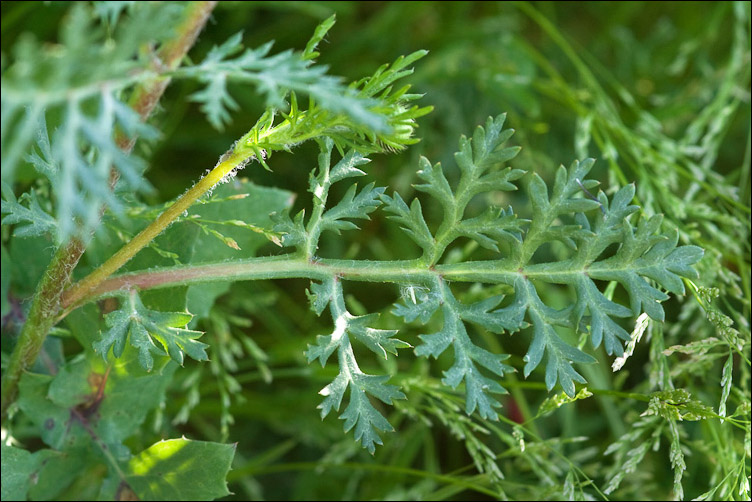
x=150 y=332
x=346 y=128
x=557 y=401
x=181 y=469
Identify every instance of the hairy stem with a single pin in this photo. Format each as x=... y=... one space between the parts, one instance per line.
x=295 y=266
x=47 y=299
x=90 y=282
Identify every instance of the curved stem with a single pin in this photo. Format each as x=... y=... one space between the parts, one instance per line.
x=294 y=265
x=113 y=264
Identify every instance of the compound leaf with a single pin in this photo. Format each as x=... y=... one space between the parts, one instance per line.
x=31 y=218
x=352 y=206
x=360 y=413
x=144 y=328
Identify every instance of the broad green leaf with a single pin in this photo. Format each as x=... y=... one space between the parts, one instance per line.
x=60 y=469
x=240 y=210
x=29 y=259
x=84 y=408
x=17 y=468
x=243 y=212
x=113 y=404
x=85 y=324
x=181 y=469
x=50 y=419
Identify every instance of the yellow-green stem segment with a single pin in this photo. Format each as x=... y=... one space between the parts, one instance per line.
x=83 y=287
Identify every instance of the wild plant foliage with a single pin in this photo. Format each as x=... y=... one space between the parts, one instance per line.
x=588 y=227
x=501 y=273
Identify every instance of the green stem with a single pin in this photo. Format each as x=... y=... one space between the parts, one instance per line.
x=320 y=196
x=293 y=265
x=41 y=318
x=47 y=299
x=94 y=279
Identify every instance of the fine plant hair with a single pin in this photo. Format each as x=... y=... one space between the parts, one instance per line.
x=476 y=278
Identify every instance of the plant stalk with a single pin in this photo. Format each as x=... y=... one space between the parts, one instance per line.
x=124 y=254
x=47 y=299
x=294 y=265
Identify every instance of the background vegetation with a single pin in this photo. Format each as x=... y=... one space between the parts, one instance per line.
x=658 y=93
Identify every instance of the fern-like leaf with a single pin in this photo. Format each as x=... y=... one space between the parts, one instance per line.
x=151 y=332
x=643 y=257
x=467 y=355
x=352 y=206
x=91 y=68
x=359 y=413
x=30 y=219
x=276 y=75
